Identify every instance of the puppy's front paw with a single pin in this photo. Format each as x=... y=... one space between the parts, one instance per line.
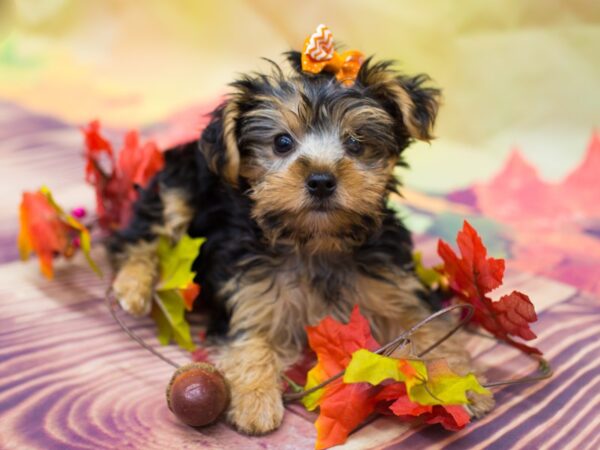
x=256 y=412
x=133 y=289
x=480 y=404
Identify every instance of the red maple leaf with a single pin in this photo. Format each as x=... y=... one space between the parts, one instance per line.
x=343 y=406
x=137 y=164
x=116 y=181
x=100 y=172
x=394 y=398
x=451 y=417
x=334 y=342
x=473 y=275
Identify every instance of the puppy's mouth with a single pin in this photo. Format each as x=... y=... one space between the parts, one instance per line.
x=323 y=207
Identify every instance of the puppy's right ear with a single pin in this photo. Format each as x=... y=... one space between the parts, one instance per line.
x=219 y=144
x=410 y=99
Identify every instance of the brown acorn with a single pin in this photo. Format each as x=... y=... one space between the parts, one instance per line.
x=197 y=394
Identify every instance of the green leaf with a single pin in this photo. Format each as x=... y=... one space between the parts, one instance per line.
x=176 y=262
x=169 y=315
x=430 y=383
x=444 y=387
x=428 y=276
x=314 y=377
x=366 y=366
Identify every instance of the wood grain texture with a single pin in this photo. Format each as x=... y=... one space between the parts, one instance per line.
x=71 y=379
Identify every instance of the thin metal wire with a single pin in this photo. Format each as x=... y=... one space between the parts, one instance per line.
x=390 y=347
x=111 y=301
x=403 y=339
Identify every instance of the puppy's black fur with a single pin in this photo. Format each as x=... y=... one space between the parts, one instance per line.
x=223 y=213
x=232 y=236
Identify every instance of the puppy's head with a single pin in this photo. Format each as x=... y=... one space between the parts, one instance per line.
x=317 y=157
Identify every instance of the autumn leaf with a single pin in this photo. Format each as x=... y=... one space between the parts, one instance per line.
x=396 y=400
x=431 y=277
x=176 y=290
x=48 y=231
x=444 y=387
x=116 y=180
x=168 y=311
x=345 y=403
x=427 y=383
x=315 y=376
x=514 y=312
x=451 y=417
x=176 y=261
x=85 y=240
x=190 y=294
x=137 y=164
x=42 y=231
x=473 y=275
x=101 y=173
x=342 y=407
x=100 y=159
x=334 y=342
x=369 y=367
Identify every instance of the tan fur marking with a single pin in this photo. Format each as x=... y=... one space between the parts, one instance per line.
x=252 y=370
x=134 y=283
x=393 y=308
x=232 y=154
x=271 y=308
x=138 y=268
x=388 y=81
x=360 y=191
x=177 y=213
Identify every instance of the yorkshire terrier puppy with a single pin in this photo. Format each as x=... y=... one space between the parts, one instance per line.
x=289 y=183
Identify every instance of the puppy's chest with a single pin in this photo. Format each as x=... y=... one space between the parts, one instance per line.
x=305 y=291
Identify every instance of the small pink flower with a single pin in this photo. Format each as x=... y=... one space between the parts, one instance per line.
x=79 y=213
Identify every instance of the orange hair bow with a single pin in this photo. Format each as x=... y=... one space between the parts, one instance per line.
x=319 y=55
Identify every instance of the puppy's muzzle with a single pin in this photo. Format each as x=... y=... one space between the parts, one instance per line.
x=321 y=185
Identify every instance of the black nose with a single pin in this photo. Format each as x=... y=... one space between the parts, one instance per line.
x=321 y=185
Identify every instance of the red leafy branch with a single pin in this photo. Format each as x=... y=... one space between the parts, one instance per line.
x=116 y=180
x=473 y=275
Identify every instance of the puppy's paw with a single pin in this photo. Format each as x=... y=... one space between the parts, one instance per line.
x=480 y=404
x=256 y=412
x=133 y=289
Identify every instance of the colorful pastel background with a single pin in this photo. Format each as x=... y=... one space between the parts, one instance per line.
x=517 y=154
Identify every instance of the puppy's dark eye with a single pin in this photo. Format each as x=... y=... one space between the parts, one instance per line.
x=283 y=144
x=353 y=146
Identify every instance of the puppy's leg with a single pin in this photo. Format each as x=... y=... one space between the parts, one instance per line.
x=159 y=212
x=252 y=369
x=136 y=277
x=395 y=307
x=267 y=335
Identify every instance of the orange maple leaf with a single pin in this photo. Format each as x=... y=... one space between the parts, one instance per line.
x=342 y=406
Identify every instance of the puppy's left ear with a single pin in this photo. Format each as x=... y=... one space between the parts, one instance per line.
x=409 y=99
x=219 y=145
